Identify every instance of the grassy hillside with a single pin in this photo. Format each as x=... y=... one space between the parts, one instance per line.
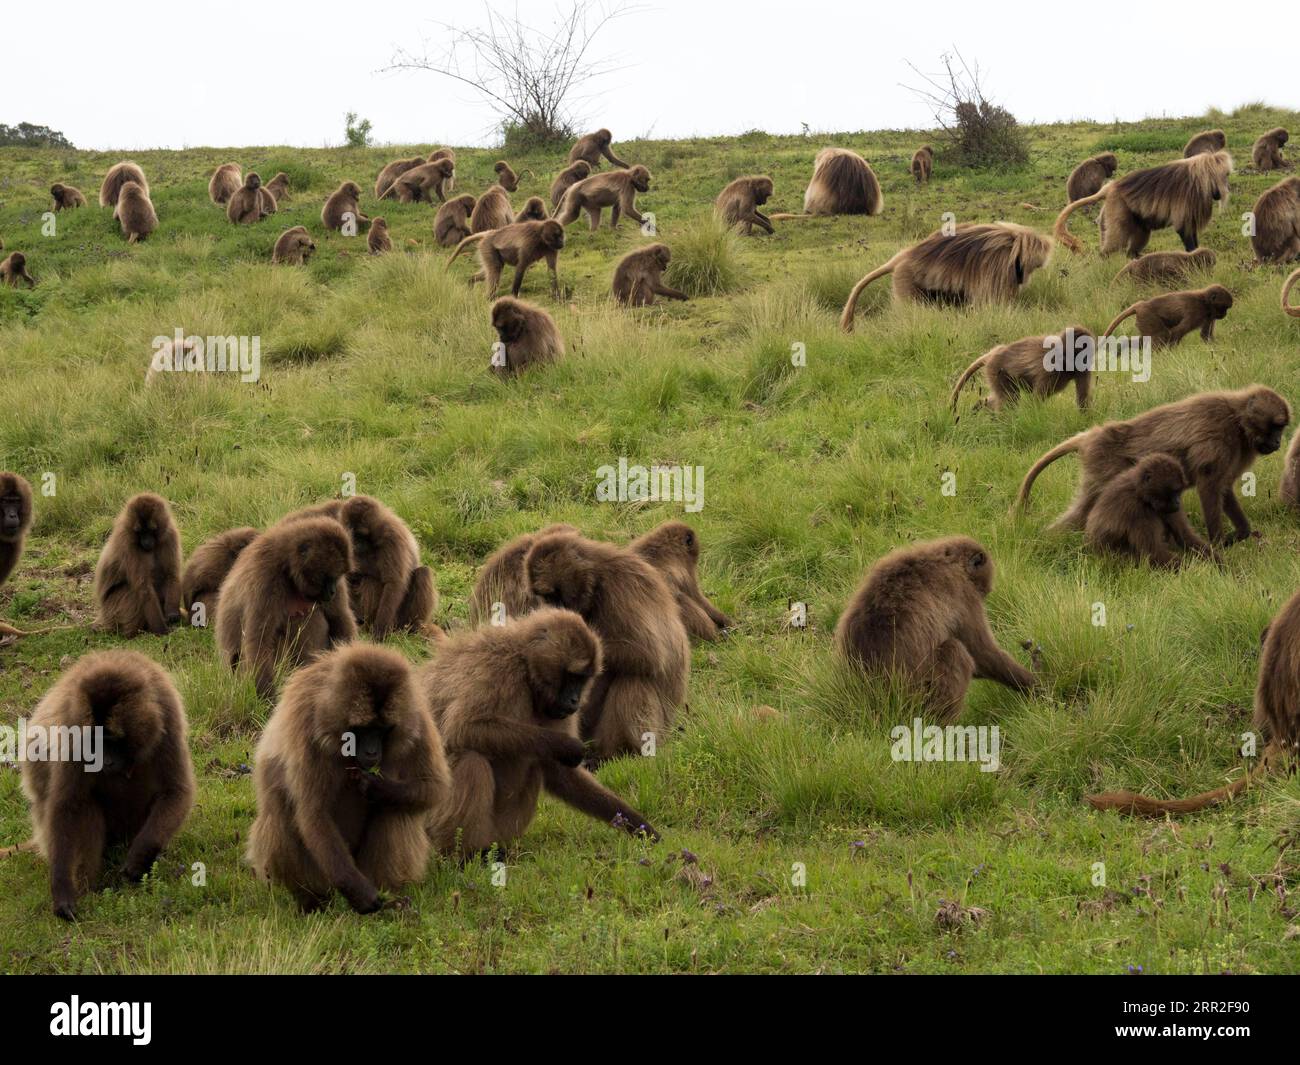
x=378 y=368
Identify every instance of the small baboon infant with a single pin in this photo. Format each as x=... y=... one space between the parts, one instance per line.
x=1140 y=514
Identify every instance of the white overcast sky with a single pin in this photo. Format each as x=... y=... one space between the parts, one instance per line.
x=285 y=73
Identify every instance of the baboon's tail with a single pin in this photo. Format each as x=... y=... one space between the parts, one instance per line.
x=786 y=216
x=1294 y=312
x=1110 y=329
x=9 y=630
x=1066 y=448
x=1127 y=802
x=1061 y=231
x=850 y=307
x=473 y=238
x=967 y=374
x=29 y=846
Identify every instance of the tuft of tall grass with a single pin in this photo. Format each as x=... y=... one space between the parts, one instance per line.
x=706 y=258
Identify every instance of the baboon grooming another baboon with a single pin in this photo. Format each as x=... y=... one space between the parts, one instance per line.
x=919 y=618
x=343 y=206
x=1167 y=267
x=502 y=580
x=208 y=566
x=389 y=588
x=1167 y=319
x=138 y=578
x=638 y=277
x=568 y=177
x=118 y=176
x=13 y=268
x=1020 y=366
x=348 y=771
x=384 y=182
x=15 y=520
x=1294 y=312
x=977 y=263
x=294 y=247
x=492 y=211
x=673 y=550
x=65 y=197
x=505 y=699
x=591 y=147
x=226 y=180
x=738 y=204
x=1211 y=140
x=1267 y=152
x=1277 y=223
x=378 y=241
x=842 y=183
x=615 y=189
x=134 y=212
x=1089 y=176
x=1181 y=194
x=527 y=334
x=923 y=164
x=247 y=203
x=519 y=244
x=143 y=788
x=416 y=184
x=1139 y=514
x=1216 y=436
x=451 y=224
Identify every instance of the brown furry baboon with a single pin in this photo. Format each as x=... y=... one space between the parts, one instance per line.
x=377 y=240
x=13 y=268
x=505 y=700
x=1211 y=140
x=389 y=589
x=919 y=618
x=976 y=263
x=638 y=277
x=506 y=177
x=591 y=147
x=1277 y=222
x=923 y=164
x=294 y=247
x=1167 y=319
x=1215 y=435
x=286 y=599
x=501 y=591
x=15 y=520
x=567 y=178
x=211 y=564
x=1089 y=176
x=266 y=202
x=132 y=784
x=65 y=197
x=348 y=771
x=615 y=189
x=527 y=335
x=1139 y=514
x=1287 y=309
x=842 y=183
x=138 y=578
x=277 y=188
x=418 y=183
x=247 y=203
x=134 y=212
x=491 y=211
x=441 y=153
x=519 y=244
x=738 y=204
x=1267 y=152
x=226 y=180
x=533 y=210
x=343 y=206
x=384 y=182
x=1181 y=194
x=117 y=176
x=1167 y=267
x=451 y=224
x=1021 y=366
x=630 y=607
x=673 y=549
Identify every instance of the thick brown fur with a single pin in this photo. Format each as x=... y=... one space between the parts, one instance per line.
x=117 y=176
x=384 y=182
x=389 y=589
x=1167 y=267
x=294 y=247
x=348 y=771
x=13 y=268
x=423 y=183
x=567 y=178
x=1139 y=515
x=1287 y=285
x=738 y=204
x=491 y=211
x=1089 y=176
x=1167 y=319
x=142 y=791
x=638 y=278
x=506 y=177
x=673 y=549
x=1277 y=223
x=922 y=164
x=1011 y=369
x=247 y=203
x=378 y=242
x=138 y=578
x=226 y=180
x=65 y=196
x=502 y=580
x=134 y=212
x=208 y=566
x=1210 y=140
x=615 y=189
x=1267 y=152
x=528 y=336
x=919 y=618
x=843 y=183
x=591 y=147
x=16 y=515
x=451 y=224
x=278 y=189
x=519 y=244
x=343 y=201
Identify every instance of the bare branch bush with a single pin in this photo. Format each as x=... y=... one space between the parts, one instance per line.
x=980 y=133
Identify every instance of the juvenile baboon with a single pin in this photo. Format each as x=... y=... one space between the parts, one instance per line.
x=277 y=188
x=738 y=204
x=248 y=202
x=919 y=618
x=506 y=177
x=533 y=210
x=133 y=784
x=1167 y=319
x=377 y=240
x=1294 y=312
x=1267 y=153
x=502 y=580
x=923 y=164
x=15 y=520
x=1167 y=267
x=384 y=182
x=294 y=247
x=348 y=771
x=138 y=578
x=673 y=549
x=505 y=700
x=211 y=564
x=975 y=263
x=451 y=224
x=1277 y=223
x=117 y=176
x=134 y=212
x=629 y=606
x=1181 y=194
x=266 y=202
x=13 y=268
x=1211 y=140
x=842 y=183
x=65 y=196
x=1139 y=514
x=416 y=185
x=519 y=244
x=286 y=599
x=389 y=589
x=591 y=147
x=1089 y=176
x=527 y=334
x=1021 y=366
x=343 y=207
x=492 y=211
x=615 y=189
x=1216 y=436
x=568 y=177
x=638 y=278
x=226 y=180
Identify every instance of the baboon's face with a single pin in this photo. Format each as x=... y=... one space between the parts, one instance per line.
x=466 y=203
x=1220 y=301
x=13 y=515
x=1267 y=416
x=640 y=179
x=603 y=137
x=561 y=663
x=320 y=559
x=18 y=261
x=361 y=518
x=253 y=181
x=130 y=718
x=508 y=323
x=763 y=189
x=351 y=189
x=148 y=524
x=663 y=256
x=553 y=235
x=1108 y=163
x=1162 y=484
x=1283 y=136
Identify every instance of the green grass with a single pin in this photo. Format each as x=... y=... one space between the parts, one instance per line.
x=379 y=368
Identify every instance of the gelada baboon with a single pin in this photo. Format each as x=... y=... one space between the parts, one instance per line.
x=738 y=204
x=226 y=180
x=15 y=520
x=1022 y=366
x=527 y=336
x=65 y=197
x=1181 y=194
x=247 y=203
x=1167 y=319
x=451 y=224
x=591 y=147
x=441 y=153
x=567 y=178
x=638 y=278
x=533 y=210
x=842 y=183
x=501 y=591
x=1216 y=436
x=294 y=247
x=384 y=182
x=647 y=654
x=138 y=578
x=286 y=599
x=673 y=549
x=519 y=244
x=389 y=589
x=1277 y=223
x=210 y=564
x=1267 y=153
x=505 y=699
x=13 y=268
x=348 y=771
x=1211 y=140
x=1294 y=312
x=277 y=188
x=1167 y=267
x=491 y=211
x=118 y=176
x=418 y=183
x=134 y=213
x=1089 y=176
x=343 y=207
x=133 y=783
x=923 y=164
x=975 y=263
x=378 y=242
x=615 y=189
x=506 y=177
x=1140 y=515
x=919 y=618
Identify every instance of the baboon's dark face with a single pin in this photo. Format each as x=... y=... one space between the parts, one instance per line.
x=1108 y=163
x=320 y=560
x=508 y=323
x=663 y=257
x=466 y=203
x=350 y=188
x=1162 y=484
x=369 y=743
x=253 y=181
x=117 y=756
x=147 y=526
x=561 y=664
x=553 y=235
x=18 y=261
x=641 y=179
x=1267 y=416
x=1220 y=302
x=603 y=137
x=1283 y=136
x=13 y=515
x=762 y=191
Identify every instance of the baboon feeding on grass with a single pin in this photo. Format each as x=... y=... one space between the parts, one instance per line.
x=389 y=589
x=1277 y=223
x=738 y=204
x=248 y=203
x=1167 y=267
x=416 y=185
x=567 y=178
x=638 y=278
x=491 y=211
x=342 y=209
x=1020 y=366
x=501 y=590
x=451 y=224
x=13 y=268
x=519 y=244
x=15 y=520
x=138 y=578
x=294 y=247
x=923 y=164
x=378 y=242
x=65 y=197
x=527 y=336
x=1267 y=152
